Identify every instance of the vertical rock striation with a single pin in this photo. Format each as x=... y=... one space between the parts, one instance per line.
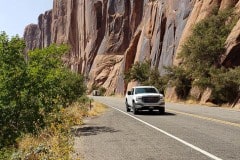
x=108 y=36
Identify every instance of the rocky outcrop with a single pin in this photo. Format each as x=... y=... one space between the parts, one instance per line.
x=231 y=57
x=39 y=36
x=32 y=36
x=108 y=36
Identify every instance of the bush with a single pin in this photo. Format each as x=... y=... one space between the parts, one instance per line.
x=201 y=59
x=32 y=87
x=55 y=141
x=102 y=91
x=145 y=75
x=204 y=48
x=138 y=72
x=155 y=79
x=179 y=78
x=226 y=85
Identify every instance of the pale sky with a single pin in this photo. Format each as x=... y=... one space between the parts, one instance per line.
x=15 y=15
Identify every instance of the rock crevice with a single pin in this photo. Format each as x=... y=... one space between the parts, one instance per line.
x=101 y=32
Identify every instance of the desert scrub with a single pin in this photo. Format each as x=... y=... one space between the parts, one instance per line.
x=200 y=57
x=55 y=141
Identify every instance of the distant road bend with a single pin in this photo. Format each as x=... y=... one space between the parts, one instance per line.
x=184 y=132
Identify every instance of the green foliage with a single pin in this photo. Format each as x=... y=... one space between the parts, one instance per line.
x=5 y=153
x=179 y=78
x=139 y=72
x=201 y=58
x=225 y=84
x=56 y=140
x=32 y=86
x=13 y=73
x=155 y=79
x=206 y=45
x=102 y=91
x=145 y=75
x=204 y=48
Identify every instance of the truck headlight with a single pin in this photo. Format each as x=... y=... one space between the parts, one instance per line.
x=138 y=98
x=162 y=99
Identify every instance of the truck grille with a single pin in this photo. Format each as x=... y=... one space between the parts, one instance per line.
x=150 y=99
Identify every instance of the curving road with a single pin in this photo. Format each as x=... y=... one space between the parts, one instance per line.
x=185 y=132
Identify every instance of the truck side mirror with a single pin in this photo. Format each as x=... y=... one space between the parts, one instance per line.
x=129 y=93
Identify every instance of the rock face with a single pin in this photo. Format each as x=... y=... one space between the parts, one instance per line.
x=108 y=36
x=39 y=36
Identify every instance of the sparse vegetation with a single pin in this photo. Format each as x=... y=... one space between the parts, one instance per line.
x=55 y=140
x=201 y=60
x=179 y=77
x=201 y=66
x=97 y=109
x=102 y=91
x=145 y=75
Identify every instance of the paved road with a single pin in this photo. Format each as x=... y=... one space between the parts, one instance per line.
x=185 y=132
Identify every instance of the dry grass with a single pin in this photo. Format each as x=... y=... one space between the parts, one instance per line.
x=48 y=145
x=97 y=109
x=55 y=141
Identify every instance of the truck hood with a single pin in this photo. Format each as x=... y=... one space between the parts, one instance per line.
x=149 y=94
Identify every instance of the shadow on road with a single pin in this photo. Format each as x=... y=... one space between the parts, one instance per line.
x=155 y=113
x=92 y=130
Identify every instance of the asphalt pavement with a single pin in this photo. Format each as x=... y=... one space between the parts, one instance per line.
x=184 y=132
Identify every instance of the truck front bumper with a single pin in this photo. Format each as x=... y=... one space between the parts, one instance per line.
x=149 y=106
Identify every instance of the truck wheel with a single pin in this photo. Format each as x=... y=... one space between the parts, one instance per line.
x=162 y=111
x=127 y=107
x=134 y=109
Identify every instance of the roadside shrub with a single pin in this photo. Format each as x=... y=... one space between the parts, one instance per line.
x=145 y=75
x=5 y=153
x=55 y=141
x=138 y=72
x=13 y=95
x=179 y=78
x=226 y=85
x=200 y=55
x=204 y=47
x=102 y=91
x=32 y=86
x=155 y=79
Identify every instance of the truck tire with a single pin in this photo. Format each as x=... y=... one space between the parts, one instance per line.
x=134 y=109
x=127 y=107
x=162 y=111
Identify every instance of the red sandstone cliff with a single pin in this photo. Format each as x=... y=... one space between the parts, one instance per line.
x=107 y=36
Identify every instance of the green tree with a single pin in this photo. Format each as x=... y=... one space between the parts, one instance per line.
x=201 y=55
x=145 y=75
x=138 y=72
x=13 y=76
x=179 y=78
x=33 y=86
x=225 y=84
x=204 y=48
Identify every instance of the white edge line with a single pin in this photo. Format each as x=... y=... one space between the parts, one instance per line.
x=172 y=136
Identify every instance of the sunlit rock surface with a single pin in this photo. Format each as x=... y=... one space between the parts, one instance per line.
x=108 y=36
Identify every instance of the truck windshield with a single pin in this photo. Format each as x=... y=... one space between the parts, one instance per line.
x=145 y=90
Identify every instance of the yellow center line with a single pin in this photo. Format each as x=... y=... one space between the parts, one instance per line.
x=206 y=118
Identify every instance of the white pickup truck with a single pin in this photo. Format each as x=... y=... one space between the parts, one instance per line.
x=144 y=98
